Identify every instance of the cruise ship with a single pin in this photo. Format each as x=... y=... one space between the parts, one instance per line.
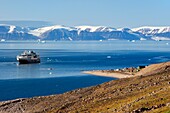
x=28 y=57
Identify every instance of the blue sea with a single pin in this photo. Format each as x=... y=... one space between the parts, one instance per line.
x=62 y=63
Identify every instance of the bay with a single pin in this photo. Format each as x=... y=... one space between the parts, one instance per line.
x=62 y=64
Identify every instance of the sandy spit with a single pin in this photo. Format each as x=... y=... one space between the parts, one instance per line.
x=108 y=74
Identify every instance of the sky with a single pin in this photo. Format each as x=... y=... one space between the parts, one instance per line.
x=113 y=13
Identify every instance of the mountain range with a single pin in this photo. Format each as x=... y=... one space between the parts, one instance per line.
x=59 y=32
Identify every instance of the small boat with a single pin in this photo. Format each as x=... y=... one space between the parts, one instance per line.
x=28 y=57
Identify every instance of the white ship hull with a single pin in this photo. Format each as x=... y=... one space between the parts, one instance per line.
x=26 y=59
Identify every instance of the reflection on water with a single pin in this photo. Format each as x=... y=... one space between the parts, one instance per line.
x=27 y=70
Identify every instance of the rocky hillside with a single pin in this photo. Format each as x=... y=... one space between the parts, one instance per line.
x=154 y=69
x=58 y=32
x=138 y=94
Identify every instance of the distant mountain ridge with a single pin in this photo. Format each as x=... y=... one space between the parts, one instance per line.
x=26 y=23
x=59 y=32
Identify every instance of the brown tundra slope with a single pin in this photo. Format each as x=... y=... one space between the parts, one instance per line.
x=138 y=94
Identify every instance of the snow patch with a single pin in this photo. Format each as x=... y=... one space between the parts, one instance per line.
x=142 y=39
x=160 y=38
x=38 y=32
x=11 y=29
x=151 y=30
x=94 y=29
x=70 y=38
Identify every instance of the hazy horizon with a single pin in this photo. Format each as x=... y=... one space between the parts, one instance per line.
x=36 y=24
x=117 y=14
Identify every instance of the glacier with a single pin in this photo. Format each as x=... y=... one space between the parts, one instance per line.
x=60 y=32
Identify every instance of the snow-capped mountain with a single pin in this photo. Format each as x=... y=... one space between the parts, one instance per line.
x=40 y=31
x=82 y=33
x=151 y=30
x=154 y=33
x=59 y=32
x=95 y=28
x=12 y=29
x=11 y=32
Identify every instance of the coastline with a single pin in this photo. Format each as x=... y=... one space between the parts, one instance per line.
x=108 y=74
x=137 y=94
x=131 y=71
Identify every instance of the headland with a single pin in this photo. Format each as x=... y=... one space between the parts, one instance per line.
x=148 y=91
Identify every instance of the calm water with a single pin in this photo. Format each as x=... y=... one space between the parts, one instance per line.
x=62 y=63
